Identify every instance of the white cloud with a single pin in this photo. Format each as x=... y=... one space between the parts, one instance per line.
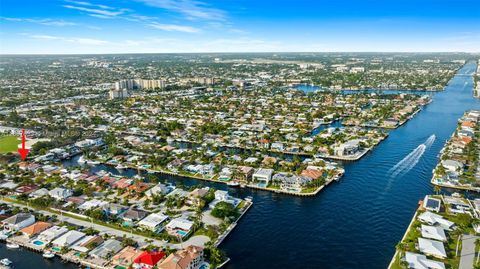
x=76 y=40
x=191 y=9
x=98 y=12
x=47 y=21
x=174 y=27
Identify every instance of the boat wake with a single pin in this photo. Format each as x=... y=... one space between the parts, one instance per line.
x=411 y=160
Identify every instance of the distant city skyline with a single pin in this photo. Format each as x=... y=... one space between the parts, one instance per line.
x=183 y=26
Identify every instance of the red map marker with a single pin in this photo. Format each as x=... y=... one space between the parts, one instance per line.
x=23 y=151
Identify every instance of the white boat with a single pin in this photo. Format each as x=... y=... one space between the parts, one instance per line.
x=12 y=246
x=90 y=162
x=249 y=198
x=120 y=167
x=6 y=262
x=233 y=184
x=48 y=255
x=81 y=160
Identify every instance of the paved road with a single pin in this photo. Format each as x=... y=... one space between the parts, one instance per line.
x=468 y=251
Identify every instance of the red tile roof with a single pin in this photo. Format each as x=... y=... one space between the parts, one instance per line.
x=149 y=258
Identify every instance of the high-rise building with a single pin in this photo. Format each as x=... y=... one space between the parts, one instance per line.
x=131 y=84
x=120 y=93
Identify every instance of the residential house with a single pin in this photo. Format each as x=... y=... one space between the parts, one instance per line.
x=126 y=257
x=35 y=228
x=18 y=221
x=189 y=258
x=153 y=222
x=148 y=259
x=432 y=247
x=419 y=261
x=60 y=193
x=179 y=227
x=262 y=176
x=68 y=239
x=107 y=249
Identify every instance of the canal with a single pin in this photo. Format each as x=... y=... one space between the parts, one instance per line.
x=354 y=223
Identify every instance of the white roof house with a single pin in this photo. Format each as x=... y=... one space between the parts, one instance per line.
x=92 y=204
x=179 y=223
x=419 y=261
x=68 y=239
x=153 y=222
x=51 y=233
x=107 y=248
x=452 y=165
x=158 y=189
x=39 y=193
x=60 y=193
x=435 y=219
x=433 y=232
x=263 y=175
x=432 y=247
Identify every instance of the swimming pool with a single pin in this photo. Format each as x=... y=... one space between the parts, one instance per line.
x=38 y=243
x=181 y=233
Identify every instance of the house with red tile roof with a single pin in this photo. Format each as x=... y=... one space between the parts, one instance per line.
x=35 y=228
x=148 y=259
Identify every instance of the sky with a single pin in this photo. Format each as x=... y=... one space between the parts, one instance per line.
x=171 y=26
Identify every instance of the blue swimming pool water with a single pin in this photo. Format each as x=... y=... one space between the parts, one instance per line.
x=182 y=233
x=37 y=243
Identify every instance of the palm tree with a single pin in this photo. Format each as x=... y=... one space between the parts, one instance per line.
x=437 y=189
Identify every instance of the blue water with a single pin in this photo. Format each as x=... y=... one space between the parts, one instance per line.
x=312 y=88
x=354 y=223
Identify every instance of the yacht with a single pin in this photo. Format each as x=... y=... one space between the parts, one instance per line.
x=48 y=254
x=12 y=246
x=5 y=262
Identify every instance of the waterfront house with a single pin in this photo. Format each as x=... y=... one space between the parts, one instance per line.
x=87 y=243
x=433 y=232
x=452 y=165
x=431 y=204
x=60 y=193
x=262 y=176
x=432 y=247
x=246 y=171
x=35 y=228
x=419 y=261
x=107 y=249
x=348 y=148
x=436 y=220
x=179 y=227
x=51 y=233
x=153 y=222
x=189 y=258
x=148 y=259
x=223 y=196
x=195 y=196
x=18 y=221
x=68 y=239
x=159 y=189
x=126 y=257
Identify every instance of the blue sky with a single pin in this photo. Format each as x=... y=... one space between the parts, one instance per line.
x=136 y=26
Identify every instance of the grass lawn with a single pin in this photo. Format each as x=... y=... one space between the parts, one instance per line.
x=9 y=143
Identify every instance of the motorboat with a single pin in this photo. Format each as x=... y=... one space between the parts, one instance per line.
x=48 y=255
x=233 y=184
x=5 y=262
x=12 y=246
